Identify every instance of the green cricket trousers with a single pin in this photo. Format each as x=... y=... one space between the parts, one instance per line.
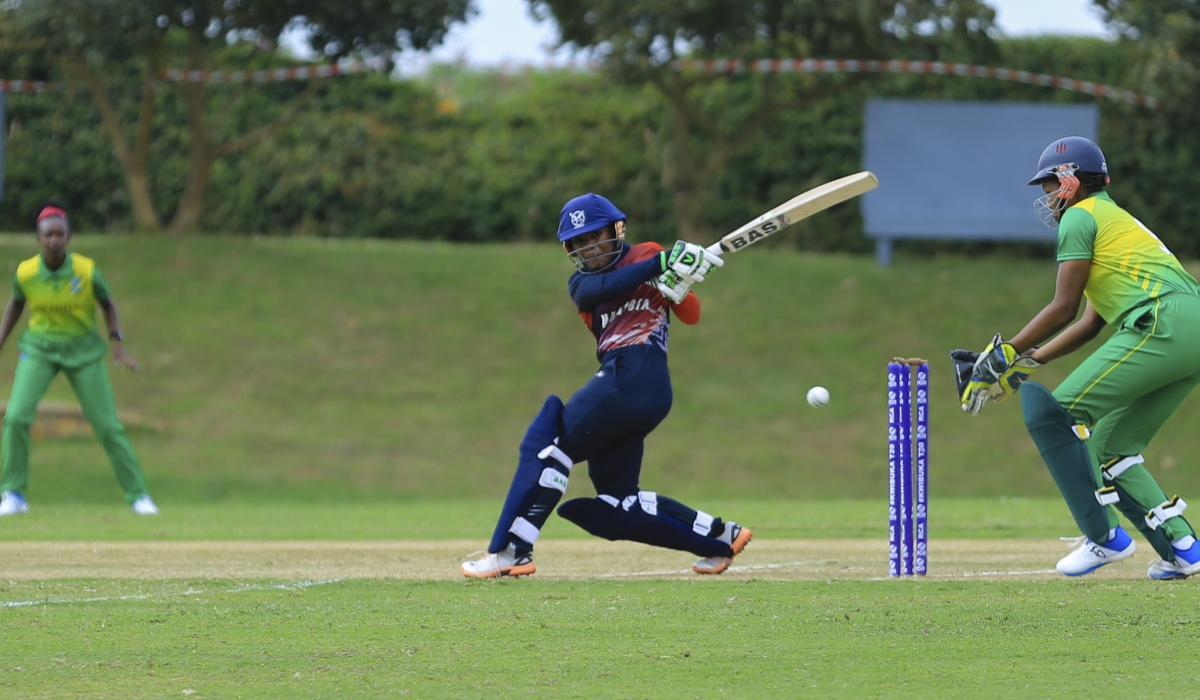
x=1124 y=393
x=91 y=386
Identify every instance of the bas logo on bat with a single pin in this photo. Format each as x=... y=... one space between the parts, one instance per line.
x=799 y=207
x=753 y=235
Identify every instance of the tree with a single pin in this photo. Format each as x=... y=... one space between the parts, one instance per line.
x=1162 y=149
x=118 y=49
x=712 y=117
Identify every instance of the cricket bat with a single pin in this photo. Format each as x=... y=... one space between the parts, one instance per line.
x=799 y=207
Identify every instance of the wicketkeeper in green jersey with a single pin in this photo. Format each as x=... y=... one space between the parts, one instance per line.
x=61 y=290
x=1092 y=429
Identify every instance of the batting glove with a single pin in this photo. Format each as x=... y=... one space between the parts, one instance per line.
x=673 y=286
x=689 y=260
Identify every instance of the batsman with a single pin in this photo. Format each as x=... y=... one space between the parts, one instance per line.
x=625 y=295
x=1092 y=429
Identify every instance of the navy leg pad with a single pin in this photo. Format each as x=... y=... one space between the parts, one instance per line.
x=535 y=490
x=602 y=519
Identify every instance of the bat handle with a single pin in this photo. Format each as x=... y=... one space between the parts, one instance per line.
x=716 y=249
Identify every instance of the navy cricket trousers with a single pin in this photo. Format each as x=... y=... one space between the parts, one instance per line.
x=606 y=422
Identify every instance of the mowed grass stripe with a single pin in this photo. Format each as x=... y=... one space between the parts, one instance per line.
x=438 y=560
x=473 y=520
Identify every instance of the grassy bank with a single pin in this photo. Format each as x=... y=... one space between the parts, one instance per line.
x=311 y=370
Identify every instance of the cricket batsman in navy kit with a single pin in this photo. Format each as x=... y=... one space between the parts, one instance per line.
x=625 y=295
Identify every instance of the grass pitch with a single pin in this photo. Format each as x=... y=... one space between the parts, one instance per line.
x=340 y=422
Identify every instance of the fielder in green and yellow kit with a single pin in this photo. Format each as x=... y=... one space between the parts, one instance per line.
x=1092 y=430
x=62 y=290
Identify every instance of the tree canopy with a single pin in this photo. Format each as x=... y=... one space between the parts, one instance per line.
x=713 y=117
x=119 y=48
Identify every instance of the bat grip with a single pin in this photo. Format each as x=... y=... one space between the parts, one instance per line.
x=716 y=249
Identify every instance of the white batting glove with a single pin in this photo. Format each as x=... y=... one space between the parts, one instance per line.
x=673 y=286
x=691 y=261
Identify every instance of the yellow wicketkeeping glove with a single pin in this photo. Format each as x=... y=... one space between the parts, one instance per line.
x=999 y=373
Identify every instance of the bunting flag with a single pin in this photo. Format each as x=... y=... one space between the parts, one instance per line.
x=809 y=65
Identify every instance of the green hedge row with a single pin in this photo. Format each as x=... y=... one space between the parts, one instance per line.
x=468 y=156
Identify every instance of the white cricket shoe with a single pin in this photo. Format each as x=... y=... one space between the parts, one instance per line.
x=1091 y=556
x=1187 y=562
x=11 y=503
x=145 y=506
x=506 y=562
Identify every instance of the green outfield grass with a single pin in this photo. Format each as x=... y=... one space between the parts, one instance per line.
x=311 y=371
x=721 y=638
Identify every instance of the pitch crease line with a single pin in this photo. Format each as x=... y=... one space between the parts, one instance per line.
x=191 y=591
x=755 y=567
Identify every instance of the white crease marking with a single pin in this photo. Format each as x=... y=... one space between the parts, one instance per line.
x=191 y=591
x=826 y=562
x=677 y=572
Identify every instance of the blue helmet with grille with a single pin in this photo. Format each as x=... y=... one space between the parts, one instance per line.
x=583 y=215
x=586 y=213
x=1080 y=155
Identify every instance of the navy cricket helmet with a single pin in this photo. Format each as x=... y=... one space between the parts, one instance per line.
x=1086 y=157
x=586 y=213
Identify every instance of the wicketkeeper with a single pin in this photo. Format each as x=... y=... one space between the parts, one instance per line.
x=625 y=295
x=1092 y=429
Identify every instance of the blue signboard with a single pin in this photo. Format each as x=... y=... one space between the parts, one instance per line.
x=957 y=170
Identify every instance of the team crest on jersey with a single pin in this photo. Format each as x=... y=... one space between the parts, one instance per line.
x=76 y=285
x=578 y=218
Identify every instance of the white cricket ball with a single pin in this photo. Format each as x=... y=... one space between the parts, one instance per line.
x=818 y=396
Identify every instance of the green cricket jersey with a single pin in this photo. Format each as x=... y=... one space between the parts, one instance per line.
x=1130 y=265
x=62 y=309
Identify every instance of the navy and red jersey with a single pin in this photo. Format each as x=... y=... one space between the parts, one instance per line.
x=622 y=307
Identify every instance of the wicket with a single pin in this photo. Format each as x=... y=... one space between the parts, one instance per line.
x=908 y=545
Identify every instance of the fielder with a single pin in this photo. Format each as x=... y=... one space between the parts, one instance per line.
x=625 y=295
x=62 y=290
x=1092 y=430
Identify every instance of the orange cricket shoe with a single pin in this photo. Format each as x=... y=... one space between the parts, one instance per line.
x=741 y=537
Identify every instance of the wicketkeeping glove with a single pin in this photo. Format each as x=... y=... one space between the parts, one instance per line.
x=1016 y=374
x=691 y=261
x=964 y=367
x=998 y=373
x=673 y=286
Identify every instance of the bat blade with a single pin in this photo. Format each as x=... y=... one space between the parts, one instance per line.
x=799 y=207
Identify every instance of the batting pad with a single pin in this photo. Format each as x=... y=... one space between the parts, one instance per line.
x=541 y=479
x=600 y=517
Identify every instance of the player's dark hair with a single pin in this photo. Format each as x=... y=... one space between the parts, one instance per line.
x=51 y=203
